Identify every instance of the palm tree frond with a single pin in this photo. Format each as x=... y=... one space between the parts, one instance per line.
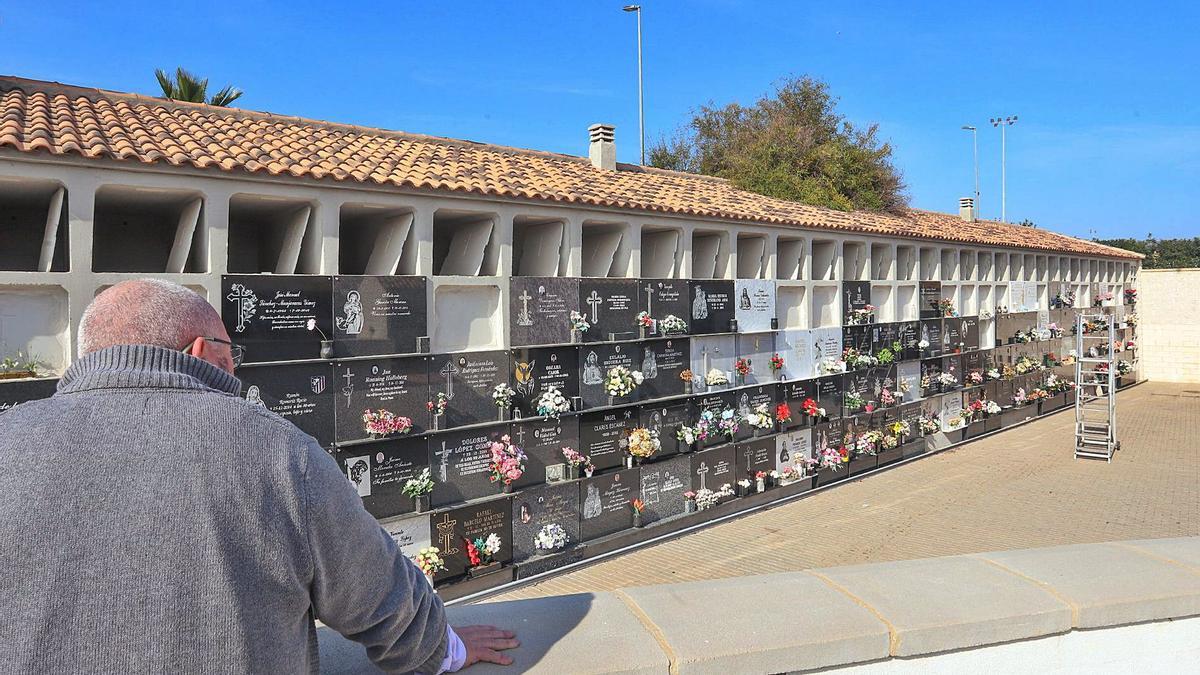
x=226 y=96
x=187 y=86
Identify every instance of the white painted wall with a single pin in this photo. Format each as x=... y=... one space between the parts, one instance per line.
x=1168 y=310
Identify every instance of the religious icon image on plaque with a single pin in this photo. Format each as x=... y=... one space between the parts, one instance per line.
x=358 y=470
x=351 y=321
x=591 y=369
x=700 y=306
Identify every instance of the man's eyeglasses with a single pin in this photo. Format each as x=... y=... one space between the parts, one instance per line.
x=236 y=351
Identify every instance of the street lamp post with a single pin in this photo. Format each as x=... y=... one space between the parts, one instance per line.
x=1003 y=123
x=637 y=9
x=975 y=144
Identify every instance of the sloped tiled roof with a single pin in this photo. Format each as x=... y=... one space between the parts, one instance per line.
x=54 y=119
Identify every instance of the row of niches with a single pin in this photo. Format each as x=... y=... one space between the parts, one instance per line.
x=148 y=230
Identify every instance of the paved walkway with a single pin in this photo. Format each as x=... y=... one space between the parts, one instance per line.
x=1018 y=489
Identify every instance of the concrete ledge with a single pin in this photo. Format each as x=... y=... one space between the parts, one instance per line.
x=899 y=614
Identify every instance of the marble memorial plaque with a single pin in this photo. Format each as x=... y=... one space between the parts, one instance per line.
x=460 y=464
x=452 y=529
x=712 y=306
x=754 y=455
x=662 y=298
x=301 y=393
x=399 y=385
x=602 y=433
x=795 y=346
x=539 y=507
x=543 y=439
x=855 y=295
x=931 y=333
x=755 y=306
x=714 y=468
x=379 y=471
x=826 y=346
x=536 y=370
x=758 y=348
x=662 y=486
x=379 y=315
x=13 y=392
x=951 y=411
x=662 y=361
x=666 y=419
x=411 y=533
x=829 y=395
x=712 y=352
x=540 y=310
x=468 y=379
x=611 y=306
x=607 y=502
x=595 y=360
x=268 y=314
x=929 y=294
x=791 y=449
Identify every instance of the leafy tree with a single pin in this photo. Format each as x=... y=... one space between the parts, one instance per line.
x=1161 y=253
x=791 y=144
x=1027 y=223
x=187 y=87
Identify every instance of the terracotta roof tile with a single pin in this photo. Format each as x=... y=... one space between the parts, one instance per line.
x=66 y=120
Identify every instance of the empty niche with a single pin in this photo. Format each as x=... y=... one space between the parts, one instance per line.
x=34 y=325
x=885 y=310
x=374 y=239
x=1000 y=296
x=986 y=304
x=1042 y=268
x=789 y=259
x=276 y=235
x=1002 y=270
x=661 y=252
x=137 y=229
x=929 y=264
x=539 y=247
x=825 y=310
x=824 y=256
x=854 y=261
x=906 y=303
x=906 y=263
x=33 y=226
x=881 y=262
x=751 y=256
x=468 y=318
x=606 y=249
x=984 y=263
x=710 y=255
x=966 y=263
x=966 y=301
x=1016 y=267
x=790 y=306
x=949 y=264
x=1030 y=267
x=464 y=243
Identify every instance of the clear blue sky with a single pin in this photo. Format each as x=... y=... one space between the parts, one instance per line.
x=1108 y=138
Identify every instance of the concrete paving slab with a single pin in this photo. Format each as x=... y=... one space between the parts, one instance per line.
x=1108 y=585
x=1182 y=550
x=768 y=624
x=940 y=604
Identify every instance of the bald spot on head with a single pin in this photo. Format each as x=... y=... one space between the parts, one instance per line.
x=147 y=312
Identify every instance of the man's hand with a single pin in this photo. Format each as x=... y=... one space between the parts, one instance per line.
x=484 y=643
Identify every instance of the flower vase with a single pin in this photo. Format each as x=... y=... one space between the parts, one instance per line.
x=429 y=578
x=689 y=506
x=588 y=472
x=687 y=388
x=501 y=414
x=507 y=489
x=421 y=503
x=327 y=349
x=483 y=570
x=437 y=422
x=641 y=332
x=572 y=471
x=612 y=400
x=760 y=484
x=637 y=519
x=576 y=336
x=628 y=461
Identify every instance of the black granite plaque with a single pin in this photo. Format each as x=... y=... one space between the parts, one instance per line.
x=662 y=362
x=540 y=310
x=857 y=337
x=829 y=395
x=664 y=297
x=855 y=295
x=268 y=314
x=607 y=502
x=825 y=436
x=460 y=462
x=952 y=336
x=754 y=455
x=543 y=439
x=884 y=336
x=662 y=487
x=931 y=334
x=883 y=387
x=540 y=507
x=750 y=398
x=794 y=393
x=611 y=306
x=378 y=315
x=717 y=403
x=454 y=528
x=909 y=334
x=930 y=370
x=969 y=329
x=929 y=294
x=953 y=366
x=911 y=413
x=601 y=434
x=856 y=384
x=302 y=393
x=666 y=418
x=468 y=379
x=712 y=306
x=714 y=468
x=594 y=364
x=379 y=471
x=399 y=385
x=536 y=370
x=973 y=362
x=13 y=392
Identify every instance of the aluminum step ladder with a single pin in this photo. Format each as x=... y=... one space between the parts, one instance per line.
x=1096 y=390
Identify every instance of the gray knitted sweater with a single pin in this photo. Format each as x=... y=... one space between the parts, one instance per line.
x=151 y=521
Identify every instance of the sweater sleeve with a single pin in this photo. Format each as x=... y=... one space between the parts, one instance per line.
x=362 y=586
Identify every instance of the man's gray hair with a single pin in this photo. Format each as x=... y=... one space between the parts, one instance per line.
x=146 y=312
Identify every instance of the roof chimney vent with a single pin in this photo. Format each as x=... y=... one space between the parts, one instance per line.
x=601 y=149
x=966 y=209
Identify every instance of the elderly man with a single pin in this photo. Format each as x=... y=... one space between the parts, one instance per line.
x=152 y=521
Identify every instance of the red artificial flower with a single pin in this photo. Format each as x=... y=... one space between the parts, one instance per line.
x=810 y=407
x=472 y=552
x=783 y=413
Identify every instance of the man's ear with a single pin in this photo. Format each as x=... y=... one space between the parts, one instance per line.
x=198 y=348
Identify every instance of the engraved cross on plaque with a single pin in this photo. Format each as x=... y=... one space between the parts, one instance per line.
x=444 y=456
x=650 y=299
x=594 y=300
x=702 y=472
x=246 y=300
x=520 y=434
x=449 y=370
x=349 y=388
x=446 y=532
x=749 y=457
x=524 y=319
